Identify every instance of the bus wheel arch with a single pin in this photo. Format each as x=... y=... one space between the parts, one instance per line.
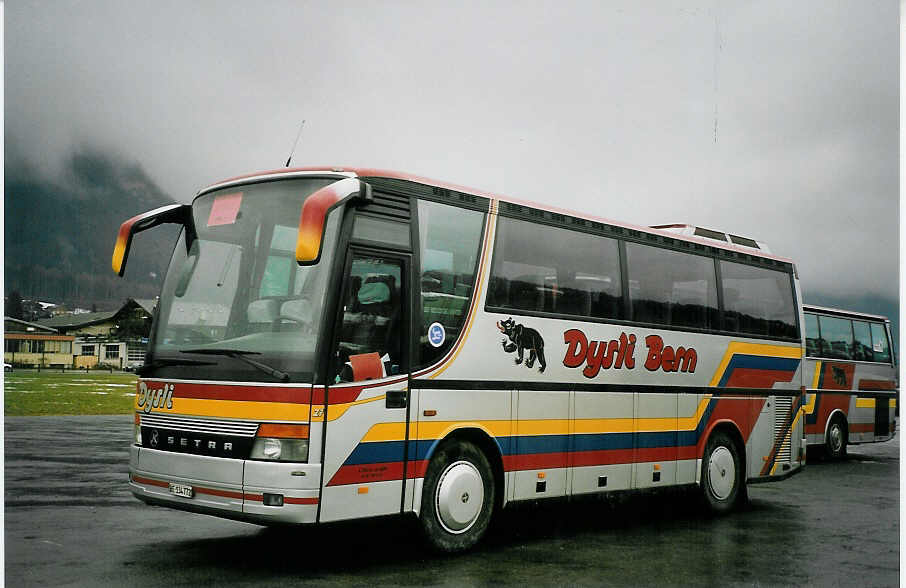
x=723 y=472
x=836 y=437
x=461 y=490
x=481 y=439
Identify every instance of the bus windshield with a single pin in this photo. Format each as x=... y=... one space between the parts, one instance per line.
x=236 y=305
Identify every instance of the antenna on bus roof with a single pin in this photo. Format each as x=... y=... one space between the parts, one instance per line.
x=293 y=150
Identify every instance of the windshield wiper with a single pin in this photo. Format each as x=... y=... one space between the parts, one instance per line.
x=241 y=356
x=146 y=368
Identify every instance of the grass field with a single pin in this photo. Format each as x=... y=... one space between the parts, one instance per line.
x=29 y=393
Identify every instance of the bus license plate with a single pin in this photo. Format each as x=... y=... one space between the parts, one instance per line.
x=182 y=490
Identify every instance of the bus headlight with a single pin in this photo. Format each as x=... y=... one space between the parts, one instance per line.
x=138 y=429
x=280 y=449
x=281 y=442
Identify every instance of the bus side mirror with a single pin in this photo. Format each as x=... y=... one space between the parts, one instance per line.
x=173 y=213
x=314 y=215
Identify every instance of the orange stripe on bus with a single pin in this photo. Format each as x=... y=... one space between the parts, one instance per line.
x=283 y=431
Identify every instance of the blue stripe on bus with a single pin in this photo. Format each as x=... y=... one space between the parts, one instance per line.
x=391 y=451
x=757 y=362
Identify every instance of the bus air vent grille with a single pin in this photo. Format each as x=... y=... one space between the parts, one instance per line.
x=782 y=407
x=195 y=425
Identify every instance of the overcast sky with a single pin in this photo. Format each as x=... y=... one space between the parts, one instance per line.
x=774 y=120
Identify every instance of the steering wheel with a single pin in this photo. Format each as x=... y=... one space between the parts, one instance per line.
x=292 y=319
x=305 y=327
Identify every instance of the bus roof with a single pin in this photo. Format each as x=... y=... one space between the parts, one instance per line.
x=346 y=171
x=843 y=313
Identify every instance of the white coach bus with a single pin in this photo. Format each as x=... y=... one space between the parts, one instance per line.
x=341 y=343
x=851 y=375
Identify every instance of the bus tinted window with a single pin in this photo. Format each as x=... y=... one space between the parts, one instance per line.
x=671 y=288
x=547 y=269
x=448 y=253
x=812 y=348
x=757 y=301
x=836 y=337
x=862 y=344
x=879 y=343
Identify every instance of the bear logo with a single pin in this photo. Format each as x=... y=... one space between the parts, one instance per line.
x=518 y=339
x=839 y=375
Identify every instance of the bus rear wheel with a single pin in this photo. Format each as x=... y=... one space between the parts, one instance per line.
x=835 y=443
x=722 y=475
x=457 y=497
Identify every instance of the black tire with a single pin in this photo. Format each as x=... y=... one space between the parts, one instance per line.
x=459 y=469
x=722 y=475
x=836 y=439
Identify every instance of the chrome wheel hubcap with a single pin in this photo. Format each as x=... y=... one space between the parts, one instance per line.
x=836 y=438
x=721 y=473
x=459 y=497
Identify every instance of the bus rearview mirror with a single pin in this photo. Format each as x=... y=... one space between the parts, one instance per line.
x=314 y=215
x=172 y=213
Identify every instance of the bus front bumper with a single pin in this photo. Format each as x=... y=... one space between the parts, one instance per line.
x=253 y=491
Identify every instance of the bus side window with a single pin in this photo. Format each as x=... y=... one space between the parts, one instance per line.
x=811 y=335
x=862 y=347
x=539 y=268
x=450 y=238
x=836 y=337
x=671 y=288
x=879 y=344
x=758 y=301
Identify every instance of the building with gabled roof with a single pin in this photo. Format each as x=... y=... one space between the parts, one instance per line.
x=33 y=344
x=116 y=338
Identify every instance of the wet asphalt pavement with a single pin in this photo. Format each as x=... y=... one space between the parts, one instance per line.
x=70 y=520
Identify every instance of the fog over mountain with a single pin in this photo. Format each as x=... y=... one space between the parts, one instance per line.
x=60 y=231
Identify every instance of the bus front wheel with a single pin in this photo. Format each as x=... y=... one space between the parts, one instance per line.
x=835 y=444
x=722 y=475
x=457 y=497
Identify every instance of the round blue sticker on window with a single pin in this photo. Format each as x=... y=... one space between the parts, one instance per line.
x=436 y=334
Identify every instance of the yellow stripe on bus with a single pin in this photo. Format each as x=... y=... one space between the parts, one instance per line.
x=237 y=409
x=529 y=427
x=865 y=402
x=335 y=411
x=809 y=407
x=761 y=349
x=817 y=375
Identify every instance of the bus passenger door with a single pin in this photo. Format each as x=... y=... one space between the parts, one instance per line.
x=368 y=399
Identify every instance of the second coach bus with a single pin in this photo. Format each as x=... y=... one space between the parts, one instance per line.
x=851 y=376
x=340 y=343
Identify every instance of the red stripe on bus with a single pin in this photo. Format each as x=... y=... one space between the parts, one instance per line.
x=862 y=428
x=150 y=482
x=224 y=493
x=743 y=412
x=291 y=500
x=877 y=385
x=345 y=394
x=301 y=395
x=198 y=489
x=535 y=461
x=383 y=472
x=369 y=472
x=827 y=403
x=758 y=378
